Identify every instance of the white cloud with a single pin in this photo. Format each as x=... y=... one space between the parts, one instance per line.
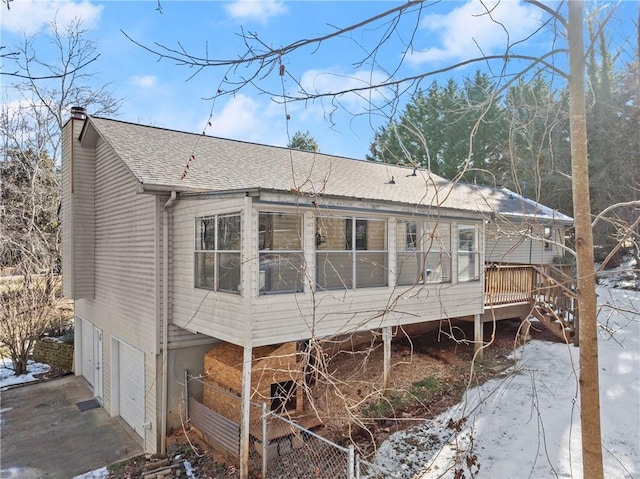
x=243 y=118
x=255 y=10
x=144 y=81
x=31 y=16
x=462 y=31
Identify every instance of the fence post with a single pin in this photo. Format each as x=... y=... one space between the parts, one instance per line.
x=357 y=466
x=350 y=462
x=186 y=396
x=264 y=440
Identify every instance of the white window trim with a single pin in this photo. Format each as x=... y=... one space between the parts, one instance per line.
x=216 y=251
x=353 y=250
x=281 y=251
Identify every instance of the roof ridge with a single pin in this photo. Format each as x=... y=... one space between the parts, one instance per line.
x=264 y=145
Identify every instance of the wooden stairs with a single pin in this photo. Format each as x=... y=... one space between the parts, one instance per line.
x=555 y=303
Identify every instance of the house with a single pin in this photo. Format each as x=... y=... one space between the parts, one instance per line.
x=175 y=242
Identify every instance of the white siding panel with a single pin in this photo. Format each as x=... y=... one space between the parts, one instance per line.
x=290 y=317
x=519 y=243
x=219 y=315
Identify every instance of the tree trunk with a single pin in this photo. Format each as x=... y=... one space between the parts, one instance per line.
x=589 y=381
x=20 y=363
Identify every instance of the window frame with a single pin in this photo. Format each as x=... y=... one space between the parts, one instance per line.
x=472 y=252
x=355 y=246
x=423 y=244
x=217 y=251
x=278 y=253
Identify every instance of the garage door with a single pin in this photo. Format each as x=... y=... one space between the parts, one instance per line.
x=87 y=351
x=131 y=386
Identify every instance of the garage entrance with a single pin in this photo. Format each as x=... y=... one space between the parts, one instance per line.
x=128 y=385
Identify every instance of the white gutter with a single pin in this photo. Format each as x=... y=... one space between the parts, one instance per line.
x=165 y=320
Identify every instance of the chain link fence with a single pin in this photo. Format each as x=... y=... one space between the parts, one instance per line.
x=279 y=448
x=304 y=454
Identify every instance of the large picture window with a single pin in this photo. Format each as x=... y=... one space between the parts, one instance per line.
x=281 y=260
x=351 y=252
x=468 y=255
x=217 y=253
x=423 y=253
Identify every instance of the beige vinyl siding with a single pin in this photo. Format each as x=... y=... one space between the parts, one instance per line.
x=66 y=215
x=127 y=281
x=507 y=242
x=152 y=393
x=77 y=215
x=125 y=256
x=216 y=314
x=291 y=317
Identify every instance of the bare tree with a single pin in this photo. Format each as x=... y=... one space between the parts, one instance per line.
x=31 y=119
x=27 y=304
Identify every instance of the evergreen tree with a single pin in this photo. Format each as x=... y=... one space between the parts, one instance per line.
x=303 y=141
x=452 y=131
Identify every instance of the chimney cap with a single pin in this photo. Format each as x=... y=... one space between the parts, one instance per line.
x=78 y=112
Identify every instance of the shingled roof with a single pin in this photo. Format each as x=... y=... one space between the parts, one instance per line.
x=157 y=158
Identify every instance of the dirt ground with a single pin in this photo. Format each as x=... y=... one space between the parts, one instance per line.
x=429 y=373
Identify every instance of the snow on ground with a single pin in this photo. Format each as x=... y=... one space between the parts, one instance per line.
x=526 y=424
x=102 y=473
x=9 y=378
x=622 y=277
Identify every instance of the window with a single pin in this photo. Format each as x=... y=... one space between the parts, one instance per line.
x=423 y=253
x=468 y=255
x=217 y=253
x=351 y=252
x=548 y=238
x=281 y=260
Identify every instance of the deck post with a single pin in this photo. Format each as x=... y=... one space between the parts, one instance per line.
x=386 y=338
x=245 y=413
x=478 y=337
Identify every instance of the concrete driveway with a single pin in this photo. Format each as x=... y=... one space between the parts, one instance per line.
x=44 y=434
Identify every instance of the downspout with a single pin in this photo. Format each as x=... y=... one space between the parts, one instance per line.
x=165 y=320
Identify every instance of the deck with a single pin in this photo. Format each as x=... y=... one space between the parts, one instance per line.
x=546 y=292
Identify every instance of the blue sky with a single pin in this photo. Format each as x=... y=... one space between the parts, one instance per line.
x=161 y=93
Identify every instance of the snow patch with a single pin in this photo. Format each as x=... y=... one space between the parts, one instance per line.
x=8 y=376
x=102 y=473
x=527 y=422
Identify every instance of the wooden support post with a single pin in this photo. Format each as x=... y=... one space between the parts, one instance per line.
x=386 y=338
x=478 y=336
x=245 y=413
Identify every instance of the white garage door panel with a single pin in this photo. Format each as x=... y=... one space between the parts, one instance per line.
x=132 y=386
x=87 y=352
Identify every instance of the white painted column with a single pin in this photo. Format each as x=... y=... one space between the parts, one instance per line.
x=386 y=338
x=245 y=413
